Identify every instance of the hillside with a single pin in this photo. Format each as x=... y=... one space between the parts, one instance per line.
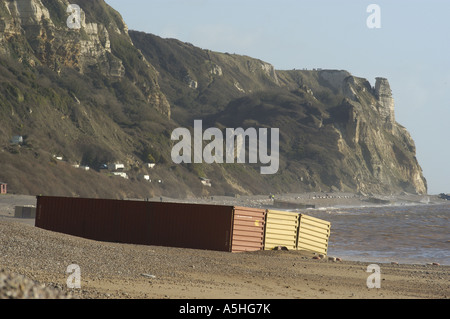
x=103 y=94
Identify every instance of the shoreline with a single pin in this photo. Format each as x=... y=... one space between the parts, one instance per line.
x=320 y=199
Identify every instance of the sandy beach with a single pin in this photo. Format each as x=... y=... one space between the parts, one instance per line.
x=118 y=271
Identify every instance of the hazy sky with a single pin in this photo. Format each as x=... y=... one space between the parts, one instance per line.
x=411 y=48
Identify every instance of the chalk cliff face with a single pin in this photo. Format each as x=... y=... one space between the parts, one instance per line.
x=103 y=94
x=372 y=137
x=338 y=132
x=384 y=95
x=41 y=26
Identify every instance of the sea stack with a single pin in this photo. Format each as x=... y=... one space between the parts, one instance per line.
x=383 y=93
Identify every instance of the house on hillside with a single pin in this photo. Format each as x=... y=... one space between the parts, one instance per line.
x=206 y=182
x=17 y=140
x=121 y=174
x=116 y=167
x=3 y=189
x=145 y=178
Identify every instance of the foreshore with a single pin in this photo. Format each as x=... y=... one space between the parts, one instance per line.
x=318 y=200
x=118 y=271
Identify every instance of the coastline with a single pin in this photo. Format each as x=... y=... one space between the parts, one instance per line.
x=321 y=200
x=118 y=271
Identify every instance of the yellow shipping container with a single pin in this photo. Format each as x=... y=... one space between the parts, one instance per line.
x=313 y=234
x=281 y=230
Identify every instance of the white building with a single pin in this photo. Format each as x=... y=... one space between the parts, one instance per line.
x=123 y=175
x=206 y=182
x=17 y=139
x=115 y=167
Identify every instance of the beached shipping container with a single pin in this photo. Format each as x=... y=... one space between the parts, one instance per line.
x=296 y=231
x=248 y=229
x=102 y=220
x=313 y=234
x=210 y=227
x=281 y=230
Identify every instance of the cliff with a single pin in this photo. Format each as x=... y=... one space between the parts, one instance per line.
x=103 y=94
x=35 y=33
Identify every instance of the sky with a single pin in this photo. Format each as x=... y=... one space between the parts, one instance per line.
x=405 y=41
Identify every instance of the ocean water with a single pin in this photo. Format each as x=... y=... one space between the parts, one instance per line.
x=412 y=234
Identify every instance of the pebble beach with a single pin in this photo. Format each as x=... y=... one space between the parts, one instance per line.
x=33 y=265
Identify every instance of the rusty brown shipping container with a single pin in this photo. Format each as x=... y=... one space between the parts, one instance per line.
x=96 y=219
x=210 y=227
x=190 y=226
x=248 y=229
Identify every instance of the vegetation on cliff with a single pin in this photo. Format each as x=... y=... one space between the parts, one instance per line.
x=103 y=95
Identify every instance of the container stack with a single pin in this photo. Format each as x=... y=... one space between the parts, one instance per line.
x=208 y=227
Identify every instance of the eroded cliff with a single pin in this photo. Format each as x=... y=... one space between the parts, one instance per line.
x=102 y=94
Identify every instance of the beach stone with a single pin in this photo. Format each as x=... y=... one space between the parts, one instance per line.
x=333 y=259
x=280 y=248
x=13 y=286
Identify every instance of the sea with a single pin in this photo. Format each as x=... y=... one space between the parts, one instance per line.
x=410 y=234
